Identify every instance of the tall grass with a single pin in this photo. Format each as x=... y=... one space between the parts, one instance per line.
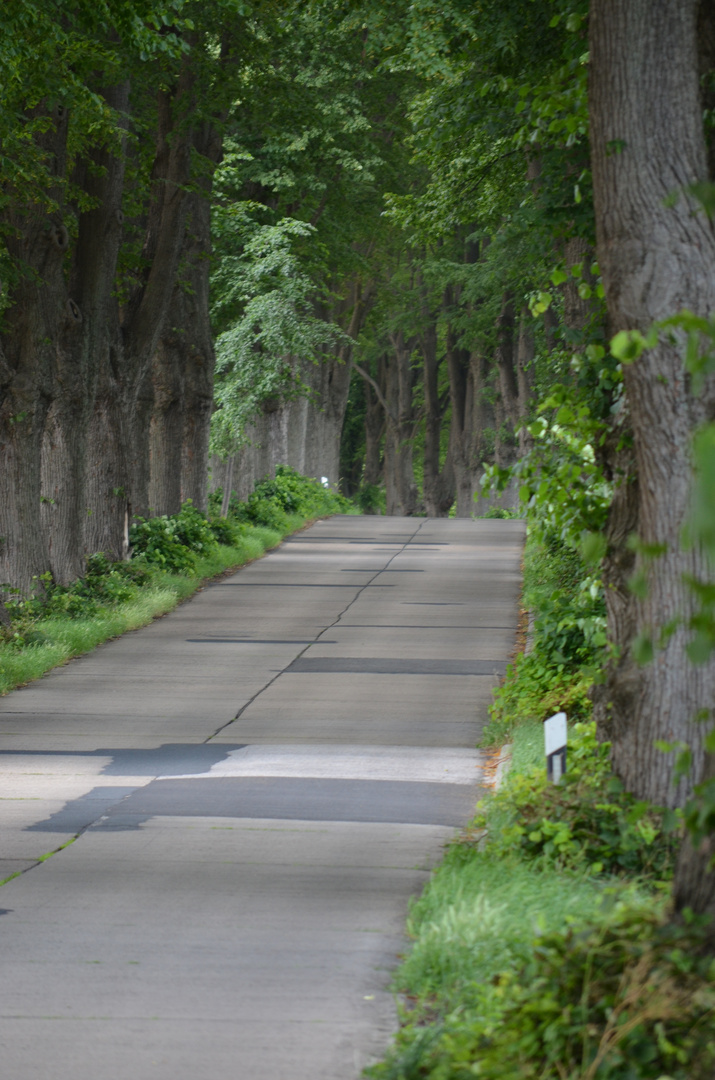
x=479 y=916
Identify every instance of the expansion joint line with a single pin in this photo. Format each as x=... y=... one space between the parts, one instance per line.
x=317 y=638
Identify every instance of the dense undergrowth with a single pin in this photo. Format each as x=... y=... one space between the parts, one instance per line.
x=542 y=945
x=171 y=557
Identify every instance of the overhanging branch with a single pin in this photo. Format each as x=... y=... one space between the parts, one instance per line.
x=380 y=396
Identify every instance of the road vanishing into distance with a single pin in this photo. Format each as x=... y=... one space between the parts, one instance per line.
x=241 y=799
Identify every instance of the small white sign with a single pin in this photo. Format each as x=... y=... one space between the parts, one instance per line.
x=555 y=733
x=555 y=736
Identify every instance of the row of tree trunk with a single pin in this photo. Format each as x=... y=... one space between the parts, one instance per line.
x=106 y=370
x=472 y=407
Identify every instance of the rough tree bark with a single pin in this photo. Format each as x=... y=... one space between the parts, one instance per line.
x=400 y=377
x=438 y=483
x=38 y=243
x=326 y=411
x=647 y=142
x=183 y=364
x=374 y=431
x=84 y=347
x=507 y=403
x=524 y=358
x=461 y=430
x=118 y=479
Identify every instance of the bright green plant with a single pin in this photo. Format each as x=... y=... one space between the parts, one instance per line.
x=226 y=532
x=629 y=998
x=568 y=640
x=370 y=499
x=104 y=585
x=586 y=821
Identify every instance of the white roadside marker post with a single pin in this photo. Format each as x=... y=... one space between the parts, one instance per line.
x=555 y=744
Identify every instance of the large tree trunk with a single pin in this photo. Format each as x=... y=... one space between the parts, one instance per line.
x=30 y=337
x=182 y=379
x=85 y=343
x=166 y=432
x=485 y=418
x=438 y=482
x=183 y=366
x=507 y=402
x=374 y=431
x=647 y=142
x=461 y=395
x=119 y=485
x=524 y=360
x=326 y=414
x=400 y=486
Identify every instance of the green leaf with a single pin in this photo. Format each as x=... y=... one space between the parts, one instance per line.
x=643 y=650
x=638 y=584
x=704 y=193
x=628 y=345
x=540 y=303
x=593 y=547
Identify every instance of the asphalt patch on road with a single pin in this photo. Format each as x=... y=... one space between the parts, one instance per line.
x=386 y=665
x=292 y=585
x=254 y=641
x=286 y=799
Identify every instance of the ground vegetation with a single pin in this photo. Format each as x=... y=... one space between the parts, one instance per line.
x=173 y=555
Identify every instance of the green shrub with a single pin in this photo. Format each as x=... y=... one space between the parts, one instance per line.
x=173 y=542
x=568 y=645
x=499 y=513
x=215 y=503
x=225 y=531
x=567 y=604
x=267 y=512
x=534 y=690
x=104 y=585
x=154 y=541
x=296 y=494
x=587 y=821
x=370 y=499
x=630 y=998
x=194 y=530
x=275 y=501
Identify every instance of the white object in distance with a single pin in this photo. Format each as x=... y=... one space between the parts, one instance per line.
x=555 y=738
x=324 y=481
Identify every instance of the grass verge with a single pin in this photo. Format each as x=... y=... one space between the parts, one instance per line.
x=54 y=640
x=529 y=961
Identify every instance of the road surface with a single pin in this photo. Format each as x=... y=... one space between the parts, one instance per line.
x=240 y=799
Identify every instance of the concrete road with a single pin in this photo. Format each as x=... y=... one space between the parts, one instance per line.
x=241 y=799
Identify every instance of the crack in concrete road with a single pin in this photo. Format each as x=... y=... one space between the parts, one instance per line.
x=316 y=640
